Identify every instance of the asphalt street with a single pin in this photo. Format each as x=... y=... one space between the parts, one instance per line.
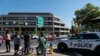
x=34 y=44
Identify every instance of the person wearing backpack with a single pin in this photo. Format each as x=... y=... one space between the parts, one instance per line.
x=17 y=42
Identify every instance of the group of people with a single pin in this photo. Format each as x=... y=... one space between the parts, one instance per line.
x=27 y=40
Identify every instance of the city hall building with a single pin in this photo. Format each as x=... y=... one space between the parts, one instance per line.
x=27 y=21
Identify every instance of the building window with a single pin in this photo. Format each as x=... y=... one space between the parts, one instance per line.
x=10 y=18
x=10 y=23
x=56 y=19
x=31 y=18
x=5 y=23
x=48 y=23
x=56 y=28
x=62 y=29
x=67 y=29
x=22 y=18
x=31 y=23
x=62 y=25
x=56 y=24
x=47 y=18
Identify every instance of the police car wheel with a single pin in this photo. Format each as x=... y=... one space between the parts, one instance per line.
x=97 y=51
x=62 y=47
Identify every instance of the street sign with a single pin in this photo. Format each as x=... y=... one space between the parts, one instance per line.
x=40 y=21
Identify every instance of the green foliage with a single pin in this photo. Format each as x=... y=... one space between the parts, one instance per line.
x=85 y=14
x=46 y=31
x=20 y=31
x=35 y=31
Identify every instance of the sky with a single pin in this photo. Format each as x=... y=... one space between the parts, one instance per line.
x=64 y=9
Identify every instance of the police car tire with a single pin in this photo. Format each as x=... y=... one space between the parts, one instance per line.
x=62 y=47
x=97 y=51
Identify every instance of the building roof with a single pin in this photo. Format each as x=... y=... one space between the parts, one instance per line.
x=30 y=13
x=95 y=20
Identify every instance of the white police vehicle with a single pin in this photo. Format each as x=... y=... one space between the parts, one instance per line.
x=85 y=41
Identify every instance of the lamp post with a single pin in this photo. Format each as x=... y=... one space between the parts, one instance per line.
x=26 y=23
x=14 y=23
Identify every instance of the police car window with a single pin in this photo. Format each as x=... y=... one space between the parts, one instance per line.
x=77 y=36
x=90 y=36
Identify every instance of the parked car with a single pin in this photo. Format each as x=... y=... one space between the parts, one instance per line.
x=50 y=37
x=35 y=36
x=81 y=41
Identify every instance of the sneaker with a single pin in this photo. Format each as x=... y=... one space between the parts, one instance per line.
x=6 y=51
x=9 y=51
x=16 y=54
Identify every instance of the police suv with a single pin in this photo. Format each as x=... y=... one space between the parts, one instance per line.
x=84 y=40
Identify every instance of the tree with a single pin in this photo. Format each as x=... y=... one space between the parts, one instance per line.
x=20 y=31
x=46 y=31
x=35 y=31
x=85 y=14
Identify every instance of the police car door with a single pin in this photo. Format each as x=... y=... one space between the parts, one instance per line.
x=75 y=42
x=89 y=41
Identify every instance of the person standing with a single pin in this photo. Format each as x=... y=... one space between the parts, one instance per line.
x=1 y=40
x=7 y=41
x=17 y=42
x=42 y=44
x=26 y=43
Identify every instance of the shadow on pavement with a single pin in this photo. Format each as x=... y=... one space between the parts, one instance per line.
x=85 y=53
x=69 y=52
x=2 y=52
x=65 y=53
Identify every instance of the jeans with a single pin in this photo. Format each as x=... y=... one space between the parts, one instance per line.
x=8 y=45
x=26 y=48
x=43 y=48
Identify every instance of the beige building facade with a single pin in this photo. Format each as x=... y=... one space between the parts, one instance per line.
x=27 y=21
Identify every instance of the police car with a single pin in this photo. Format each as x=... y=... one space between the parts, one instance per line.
x=84 y=40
